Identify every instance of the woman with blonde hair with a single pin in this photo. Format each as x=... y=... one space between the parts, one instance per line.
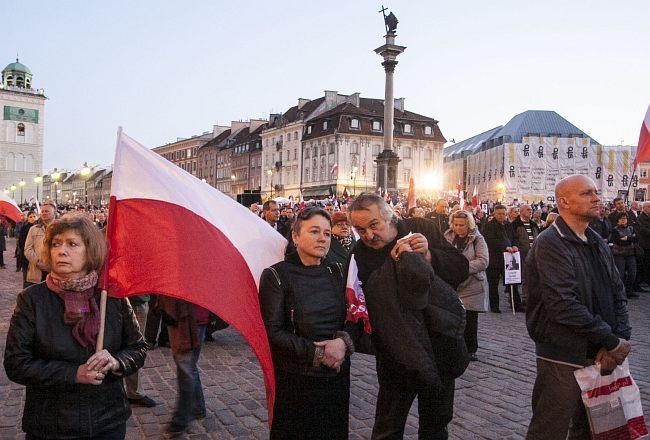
x=473 y=292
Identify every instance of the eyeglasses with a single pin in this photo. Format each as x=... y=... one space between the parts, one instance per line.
x=459 y=215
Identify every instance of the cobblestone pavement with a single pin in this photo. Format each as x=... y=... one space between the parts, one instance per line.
x=492 y=397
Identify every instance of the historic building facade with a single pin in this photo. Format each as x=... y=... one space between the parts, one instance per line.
x=21 y=131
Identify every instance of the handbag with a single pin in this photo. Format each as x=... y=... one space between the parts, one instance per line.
x=612 y=403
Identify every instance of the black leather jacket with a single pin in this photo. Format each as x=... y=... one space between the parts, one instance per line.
x=301 y=304
x=42 y=354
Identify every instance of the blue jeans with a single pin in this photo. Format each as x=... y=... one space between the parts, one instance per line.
x=190 y=403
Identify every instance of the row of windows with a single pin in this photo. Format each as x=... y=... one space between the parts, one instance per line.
x=280 y=139
x=355 y=124
x=19 y=162
x=181 y=154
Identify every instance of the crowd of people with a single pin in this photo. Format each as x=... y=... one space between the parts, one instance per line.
x=426 y=275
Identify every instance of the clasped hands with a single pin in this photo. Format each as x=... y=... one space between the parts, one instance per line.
x=94 y=370
x=411 y=243
x=334 y=353
x=609 y=359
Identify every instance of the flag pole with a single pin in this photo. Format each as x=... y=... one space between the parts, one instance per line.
x=103 y=279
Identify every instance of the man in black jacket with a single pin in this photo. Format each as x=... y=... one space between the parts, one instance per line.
x=500 y=238
x=384 y=237
x=643 y=234
x=577 y=311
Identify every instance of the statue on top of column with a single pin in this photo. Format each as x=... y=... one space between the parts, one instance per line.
x=390 y=21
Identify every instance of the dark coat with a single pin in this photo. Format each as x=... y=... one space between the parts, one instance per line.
x=521 y=236
x=498 y=237
x=42 y=354
x=572 y=311
x=301 y=304
x=337 y=253
x=20 y=246
x=602 y=226
x=643 y=230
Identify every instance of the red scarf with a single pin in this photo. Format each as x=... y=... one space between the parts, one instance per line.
x=81 y=309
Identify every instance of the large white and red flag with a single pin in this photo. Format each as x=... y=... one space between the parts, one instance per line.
x=170 y=233
x=355 y=298
x=643 y=150
x=9 y=208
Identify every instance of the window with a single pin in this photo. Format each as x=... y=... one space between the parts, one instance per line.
x=354 y=148
x=307 y=153
x=427 y=154
x=309 y=129
x=295 y=154
x=428 y=131
x=376 y=125
x=315 y=151
x=330 y=150
x=406 y=176
x=288 y=154
x=375 y=149
x=295 y=135
x=306 y=174
x=21 y=129
x=407 y=152
x=354 y=123
x=408 y=128
x=325 y=125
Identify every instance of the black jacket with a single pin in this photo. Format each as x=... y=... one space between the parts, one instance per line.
x=301 y=304
x=42 y=354
x=573 y=311
x=498 y=237
x=337 y=253
x=643 y=230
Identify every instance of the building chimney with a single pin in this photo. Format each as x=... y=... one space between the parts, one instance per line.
x=302 y=102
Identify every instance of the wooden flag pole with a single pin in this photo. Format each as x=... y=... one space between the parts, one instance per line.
x=102 y=321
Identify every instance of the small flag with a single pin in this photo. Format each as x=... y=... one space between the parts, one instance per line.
x=643 y=149
x=355 y=298
x=475 y=197
x=410 y=198
x=334 y=168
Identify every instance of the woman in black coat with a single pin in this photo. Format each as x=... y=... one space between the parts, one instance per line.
x=71 y=390
x=303 y=308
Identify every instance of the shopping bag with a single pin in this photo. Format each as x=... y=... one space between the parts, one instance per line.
x=613 y=403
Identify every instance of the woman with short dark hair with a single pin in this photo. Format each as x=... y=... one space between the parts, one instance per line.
x=72 y=391
x=303 y=307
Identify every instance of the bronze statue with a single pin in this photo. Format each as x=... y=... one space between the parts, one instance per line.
x=390 y=21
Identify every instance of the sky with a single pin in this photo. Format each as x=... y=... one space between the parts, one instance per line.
x=167 y=69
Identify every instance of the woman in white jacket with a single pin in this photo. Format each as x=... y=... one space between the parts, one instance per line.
x=473 y=292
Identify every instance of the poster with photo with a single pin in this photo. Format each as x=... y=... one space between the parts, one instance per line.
x=512 y=267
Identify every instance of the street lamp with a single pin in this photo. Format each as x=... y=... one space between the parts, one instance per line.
x=74 y=198
x=85 y=173
x=354 y=181
x=55 y=177
x=21 y=184
x=37 y=180
x=270 y=174
x=13 y=192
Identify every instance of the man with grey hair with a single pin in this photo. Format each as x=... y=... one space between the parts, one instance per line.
x=526 y=231
x=383 y=240
x=577 y=311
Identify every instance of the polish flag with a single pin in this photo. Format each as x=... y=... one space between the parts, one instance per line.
x=643 y=150
x=355 y=298
x=301 y=201
x=9 y=208
x=334 y=168
x=410 y=198
x=170 y=233
x=475 y=197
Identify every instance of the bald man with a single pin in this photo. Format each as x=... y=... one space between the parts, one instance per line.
x=577 y=310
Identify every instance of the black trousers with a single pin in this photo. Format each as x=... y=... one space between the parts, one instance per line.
x=494 y=276
x=311 y=408
x=471 y=331
x=397 y=390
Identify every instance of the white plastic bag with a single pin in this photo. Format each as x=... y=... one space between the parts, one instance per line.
x=613 y=403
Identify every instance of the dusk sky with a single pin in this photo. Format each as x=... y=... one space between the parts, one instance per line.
x=163 y=69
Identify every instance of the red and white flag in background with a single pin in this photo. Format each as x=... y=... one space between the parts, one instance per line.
x=643 y=150
x=355 y=299
x=9 y=208
x=301 y=201
x=475 y=197
x=334 y=168
x=170 y=233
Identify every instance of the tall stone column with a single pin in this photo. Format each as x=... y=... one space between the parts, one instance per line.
x=387 y=160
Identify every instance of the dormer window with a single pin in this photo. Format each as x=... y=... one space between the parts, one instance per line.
x=376 y=126
x=428 y=131
x=309 y=129
x=20 y=130
x=408 y=128
x=354 y=123
x=325 y=125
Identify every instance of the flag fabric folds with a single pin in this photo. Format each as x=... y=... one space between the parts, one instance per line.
x=643 y=150
x=9 y=208
x=170 y=233
x=334 y=168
